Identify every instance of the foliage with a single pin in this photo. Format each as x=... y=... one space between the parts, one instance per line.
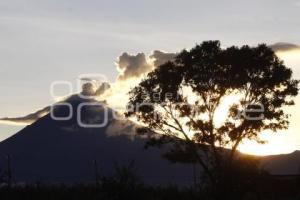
x=180 y=100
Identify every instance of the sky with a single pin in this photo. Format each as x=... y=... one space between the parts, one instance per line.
x=57 y=40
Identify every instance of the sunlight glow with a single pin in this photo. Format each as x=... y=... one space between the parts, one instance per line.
x=285 y=141
x=223 y=109
x=275 y=144
x=22 y=124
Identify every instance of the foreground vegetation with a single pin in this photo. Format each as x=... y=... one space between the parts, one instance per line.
x=265 y=188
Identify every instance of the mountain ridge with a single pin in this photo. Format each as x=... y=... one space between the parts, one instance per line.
x=62 y=151
x=46 y=151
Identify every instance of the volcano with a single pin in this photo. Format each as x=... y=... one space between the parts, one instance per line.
x=62 y=151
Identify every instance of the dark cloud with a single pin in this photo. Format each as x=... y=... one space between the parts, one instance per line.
x=161 y=57
x=92 y=89
x=28 y=119
x=133 y=65
x=283 y=46
x=88 y=89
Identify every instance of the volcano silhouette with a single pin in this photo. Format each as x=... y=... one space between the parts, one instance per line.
x=55 y=151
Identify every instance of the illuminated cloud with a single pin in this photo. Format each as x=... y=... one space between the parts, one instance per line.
x=133 y=66
x=104 y=87
x=28 y=119
x=132 y=69
x=88 y=89
x=121 y=127
x=93 y=87
x=283 y=47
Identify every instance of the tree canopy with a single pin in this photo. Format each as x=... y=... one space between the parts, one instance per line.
x=180 y=99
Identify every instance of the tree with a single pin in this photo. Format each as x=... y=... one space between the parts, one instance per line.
x=180 y=100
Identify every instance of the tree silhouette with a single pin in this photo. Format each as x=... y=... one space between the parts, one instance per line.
x=180 y=100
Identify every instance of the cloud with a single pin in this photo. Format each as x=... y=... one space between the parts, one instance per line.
x=104 y=87
x=88 y=89
x=161 y=57
x=132 y=68
x=94 y=89
x=121 y=126
x=135 y=66
x=28 y=119
x=132 y=65
x=283 y=46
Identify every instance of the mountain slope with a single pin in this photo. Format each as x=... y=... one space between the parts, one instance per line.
x=54 y=151
x=61 y=151
x=284 y=164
